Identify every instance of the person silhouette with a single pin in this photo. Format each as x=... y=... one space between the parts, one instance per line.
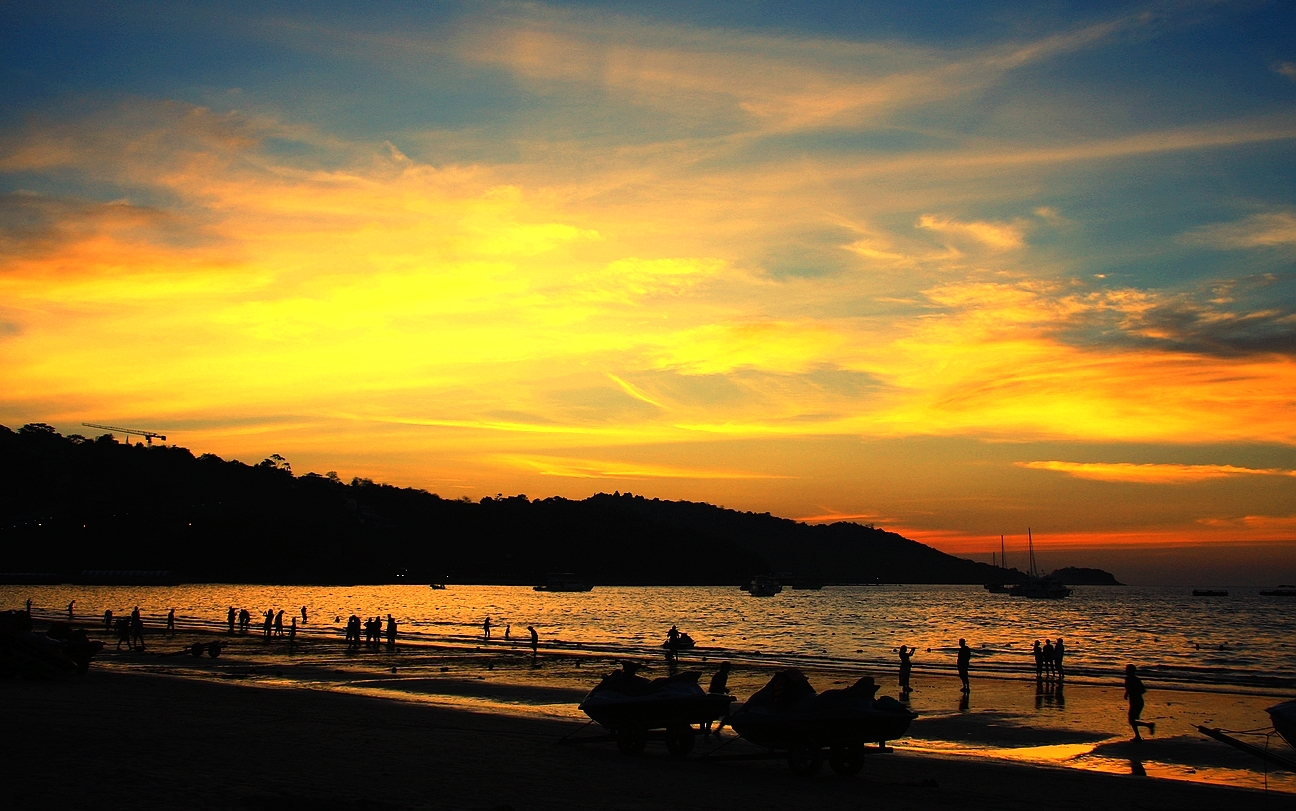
x=278 y=623
x=508 y=631
x=535 y=642
x=29 y=606
x=964 y=661
x=906 y=665
x=303 y=615
x=170 y=626
x=720 y=681
x=70 y=604
x=229 y=619
x=486 y=625
x=391 y=632
x=137 y=629
x=1058 y=652
x=1134 y=691
x=1039 y=661
x=108 y=620
x=1046 y=655
x=269 y=623
x=292 y=634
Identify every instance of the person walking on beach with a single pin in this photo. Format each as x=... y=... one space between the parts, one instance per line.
x=292 y=634
x=1047 y=656
x=108 y=620
x=229 y=619
x=1058 y=652
x=70 y=610
x=906 y=665
x=508 y=630
x=278 y=623
x=391 y=632
x=1134 y=691
x=535 y=643
x=170 y=626
x=269 y=623
x=964 y=660
x=486 y=628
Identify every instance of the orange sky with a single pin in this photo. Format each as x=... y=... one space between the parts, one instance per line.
x=906 y=280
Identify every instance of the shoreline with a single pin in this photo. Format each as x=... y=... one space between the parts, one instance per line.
x=158 y=741
x=1079 y=728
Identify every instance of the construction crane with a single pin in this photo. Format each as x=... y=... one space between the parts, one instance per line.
x=148 y=435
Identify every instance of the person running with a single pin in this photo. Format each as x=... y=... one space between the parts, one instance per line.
x=906 y=665
x=964 y=661
x=1058 y=652
x=1134 y=691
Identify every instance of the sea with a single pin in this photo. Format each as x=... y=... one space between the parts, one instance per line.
x=1244 y=641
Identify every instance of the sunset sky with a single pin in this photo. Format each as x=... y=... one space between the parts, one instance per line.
x=952 y=272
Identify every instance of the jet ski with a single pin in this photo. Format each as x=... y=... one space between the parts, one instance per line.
x=788 y=715
x=630 y=706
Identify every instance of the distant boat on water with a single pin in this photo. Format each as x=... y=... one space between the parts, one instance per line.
x=1037 y=586
x=565 y=582
x=763 y=586
x=998 y=588
x=437 y=586
x=1282 y=591
x=1210 y=593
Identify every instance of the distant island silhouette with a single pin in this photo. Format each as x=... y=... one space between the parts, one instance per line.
x=70 y=504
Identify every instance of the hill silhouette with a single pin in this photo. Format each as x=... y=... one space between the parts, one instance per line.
x=69 y=503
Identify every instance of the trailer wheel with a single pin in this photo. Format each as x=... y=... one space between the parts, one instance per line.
x=804 y=759
x=679 y=741
x=846 y=760
x=630 y=741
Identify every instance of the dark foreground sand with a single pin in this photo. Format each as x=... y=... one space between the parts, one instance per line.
x=133 y=740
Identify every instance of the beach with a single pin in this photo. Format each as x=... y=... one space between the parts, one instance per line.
x=478 y=726
x=118 y=739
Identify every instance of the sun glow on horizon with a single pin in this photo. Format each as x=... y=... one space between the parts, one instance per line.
x=779 y=270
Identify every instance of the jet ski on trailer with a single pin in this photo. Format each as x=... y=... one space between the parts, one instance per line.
x=634 y=710
x=787 y=717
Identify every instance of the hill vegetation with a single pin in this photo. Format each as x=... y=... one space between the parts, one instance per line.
x=70 y=503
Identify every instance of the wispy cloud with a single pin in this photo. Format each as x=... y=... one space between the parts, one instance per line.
x=599 y=469
x=1151 y=473
x=1265 y=230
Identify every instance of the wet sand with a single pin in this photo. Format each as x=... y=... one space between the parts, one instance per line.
x=130 y=739
x=475 y=726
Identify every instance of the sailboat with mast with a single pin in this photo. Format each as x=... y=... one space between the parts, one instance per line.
x=1000 y=587
x=1036 y=585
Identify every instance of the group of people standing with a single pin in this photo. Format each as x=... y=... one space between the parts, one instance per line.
x=373 y=631
x=1048 y=660
x=1049 y=657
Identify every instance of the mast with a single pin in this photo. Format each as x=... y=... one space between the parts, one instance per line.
x=1003 y=559
x=1030 y=542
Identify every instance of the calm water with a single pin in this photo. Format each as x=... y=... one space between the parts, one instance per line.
x=1245 y=639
